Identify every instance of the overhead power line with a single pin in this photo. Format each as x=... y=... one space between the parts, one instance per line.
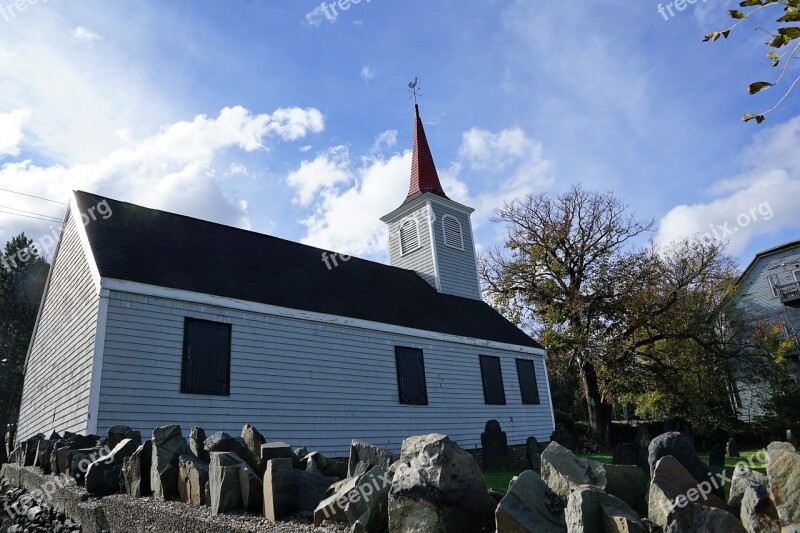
x=32 y=196
x=29 y=212
x=30 y=216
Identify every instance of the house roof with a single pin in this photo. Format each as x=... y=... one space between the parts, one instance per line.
x=769 y=251
x=169 y=250
x=423 y=171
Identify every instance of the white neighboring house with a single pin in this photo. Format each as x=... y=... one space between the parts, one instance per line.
x=152 y=318
x=770 y=289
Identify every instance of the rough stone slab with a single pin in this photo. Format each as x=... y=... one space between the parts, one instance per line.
x=311 y=489
x=783 y=469
x=530 y=506
x=591 y=510
x=192 y=480
x=276 y=450
x=136 y=471
x=629 y=484
x=280 y=490
x=757 y=511
x=672 y=486
x=96 y=482
x=562 y=470
x=697 y=518
x=742 y=479
x=254 y=440
x=168 y=446
x=363 y=452
x=681 y=447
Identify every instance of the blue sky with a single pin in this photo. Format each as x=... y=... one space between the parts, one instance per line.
x=271 y=116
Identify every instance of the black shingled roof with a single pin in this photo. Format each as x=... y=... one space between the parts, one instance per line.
x=179 y=252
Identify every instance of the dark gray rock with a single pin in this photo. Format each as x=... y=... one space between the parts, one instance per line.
x=253 y=440
x=233 y=485
x=758 y=513
x=629 y=483
x=363 y=452
x=533 y=453
x=168 y=446
x=627 y=453
x=97 y=477
x=681 y=448
x=136 y=470
x=311 y=489
x=562 y=436
x=494 y=444
x=590 y=510
x=732 y=449
x=673 y=492
x=741 y=480
x=222 y=442
x=44 y=448
x=117 y=434
x=280 y=490
x=276 y=450
x=362 y=501
x=197 y=438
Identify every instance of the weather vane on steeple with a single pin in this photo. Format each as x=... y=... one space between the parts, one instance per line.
x=413 y=89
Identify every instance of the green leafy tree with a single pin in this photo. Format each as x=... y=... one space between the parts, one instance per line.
x=620 y=314
x=23 y=275
x=783 y=39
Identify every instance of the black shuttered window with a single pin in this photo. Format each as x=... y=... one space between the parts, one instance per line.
x=527 y=382
x=493 y=390
x=206 y=358
x=411 y=385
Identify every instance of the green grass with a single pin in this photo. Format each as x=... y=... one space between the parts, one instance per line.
x=500 y=480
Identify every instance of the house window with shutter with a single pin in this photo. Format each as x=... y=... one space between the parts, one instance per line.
x=411 y=386
x=526 y=373
x=206 y=357
x=452 y=232
x=409 y=236
x=493 y=391
x=773 y=284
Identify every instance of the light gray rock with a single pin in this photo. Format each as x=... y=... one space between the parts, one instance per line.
x=168 y=446
x=783 y=469
x=681 y=448
x=758 y=512
x=280 y=491
x=591 y=510
x=136 y=470
x=192 y=480
x=742 y=479
x=437 y=486
x=562 y=470
x=362 y=501
x=629 y=484
x=530 y=506
x=673 y=490
x=96 y=482
x=363 y=452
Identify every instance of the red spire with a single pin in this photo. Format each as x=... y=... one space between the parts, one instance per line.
x=423 y=171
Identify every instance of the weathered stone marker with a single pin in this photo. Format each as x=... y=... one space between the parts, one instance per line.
x=495 y=447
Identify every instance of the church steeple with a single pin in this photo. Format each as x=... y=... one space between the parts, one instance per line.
x=423 y=170
x=430 y=233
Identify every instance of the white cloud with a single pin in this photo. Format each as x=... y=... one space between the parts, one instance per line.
x=367 y=74
x=294 y=123
x=762 y=199
x=325 y=171
x=180 y=169
x=388 y=139
x=304 y=149
x=347 y=218
x=82 y=35
x=11 y=131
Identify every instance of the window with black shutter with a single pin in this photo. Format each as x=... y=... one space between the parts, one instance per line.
x=411 y=384
x=493 y=391
x=206 y=357
x=527 y=382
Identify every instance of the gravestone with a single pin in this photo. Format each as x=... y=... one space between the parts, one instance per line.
x=716 y=457
x=562 y=436
x=732 y=448
x=495 y=447
x=790 y=438
x=628 y=453
x=533 y=453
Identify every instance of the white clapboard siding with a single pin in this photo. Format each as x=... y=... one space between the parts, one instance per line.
x=421 y=259
x=458 y=272
x=58 y=371
x=306 y=383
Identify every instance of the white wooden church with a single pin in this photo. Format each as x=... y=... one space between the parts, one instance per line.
x=152 y=318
